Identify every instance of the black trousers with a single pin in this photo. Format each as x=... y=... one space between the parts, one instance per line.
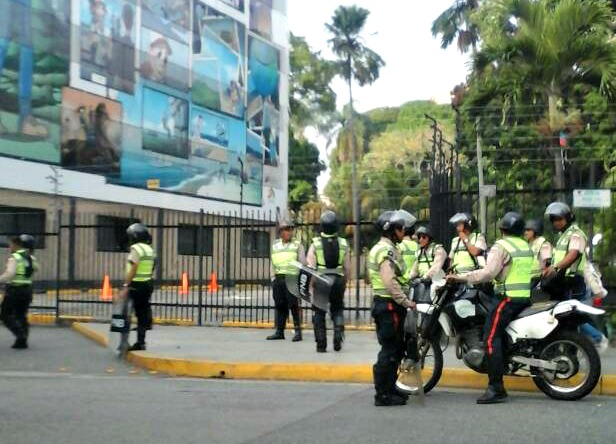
x=497 y=321
x=389 y=319
x=336 y=309
x=283 y=302
x=14 y=310
x=140 y=293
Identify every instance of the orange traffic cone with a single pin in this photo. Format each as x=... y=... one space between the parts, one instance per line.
x=107 y=292
x=184 y=287
x=213 y=286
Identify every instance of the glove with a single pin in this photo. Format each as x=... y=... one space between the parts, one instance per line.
x=597 y=301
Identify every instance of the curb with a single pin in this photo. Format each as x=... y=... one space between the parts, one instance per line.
x=310 y=372
x=289 y=326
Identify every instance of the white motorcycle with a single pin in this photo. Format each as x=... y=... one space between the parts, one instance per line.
x=543 y=343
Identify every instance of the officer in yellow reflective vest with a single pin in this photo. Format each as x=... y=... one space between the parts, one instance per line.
x=285 y=250
x=408 y=247
x=389 y=308
x=138 y=282
x=329 y=254
x=431 y=257
x=468 y=247
x=542 y=255
x=20 y=267
x=509 y=265
x=569 y=252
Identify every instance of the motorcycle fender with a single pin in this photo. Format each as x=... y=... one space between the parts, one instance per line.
x=537 y=326
x=425 y=308
x=574 y=305
x=443 y=319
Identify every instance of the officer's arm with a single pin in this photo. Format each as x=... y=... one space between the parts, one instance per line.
x=347 y=264
x=301 y=254
x=10 y=272
x=388 y=276
x=576 y=247
x=478 y=247
x=440 y=255
x=414 y=270
x=311 y=258
x=494 y=265
x=133 y=260
x=545 y=254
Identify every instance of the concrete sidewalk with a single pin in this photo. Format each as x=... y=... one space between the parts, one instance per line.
x=241 y=353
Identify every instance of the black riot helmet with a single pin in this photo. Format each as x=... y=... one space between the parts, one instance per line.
x=138 y=233
x=467 y=219
x=409 y=221
x=424 y=231
x=559 y=210
x=382 y=222
x=534 y=225
x=512 y=223
x=24 y=241
x=329 y=223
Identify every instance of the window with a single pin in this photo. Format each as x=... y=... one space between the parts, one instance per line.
x=188 y=240
x=255 y=243
x=111 y=233
x=17 y=220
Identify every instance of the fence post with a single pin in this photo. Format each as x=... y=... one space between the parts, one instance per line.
x=200 y=246
x=71 y=240
x=59 y=262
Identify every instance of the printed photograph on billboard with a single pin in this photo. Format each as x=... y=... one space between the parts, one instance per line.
x=263 y=112
x=164 y=52
x=253 y=166
x=165 y=124
x=237 y=4
x=107 y=43
x=34 y=64
x=218 y=71
x=173 y=11
x=91 y=133
x=267 y=19
x=209 y=135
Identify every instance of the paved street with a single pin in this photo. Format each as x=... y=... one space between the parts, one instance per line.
x=67 y=390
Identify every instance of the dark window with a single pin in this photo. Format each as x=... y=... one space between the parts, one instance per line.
x=188 y=240
x=255 y=243
x=111 y=233
x=16 y=220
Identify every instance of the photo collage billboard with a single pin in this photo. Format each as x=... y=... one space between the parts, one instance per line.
x=168 y=95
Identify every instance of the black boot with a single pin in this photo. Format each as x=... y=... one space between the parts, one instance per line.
x=140 y=344
x=320 y=332
x=494 y=394
x=20 y=343
x=298 y=331
x=338 y=332
x=279 y=322
x=384 y=387
x=389 y=400
x=137 y=346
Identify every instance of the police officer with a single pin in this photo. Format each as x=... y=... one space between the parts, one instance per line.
x=389 y=308
x=285 y=250
x=431 y=256
x=468 y=247
x=408 y=247
x=569 y=252
x=138 y=282
x=542 y=253
x=509 y=264
x=20 y=267
x=329 y=254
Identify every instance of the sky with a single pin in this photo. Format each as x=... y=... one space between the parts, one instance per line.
x=399 y=30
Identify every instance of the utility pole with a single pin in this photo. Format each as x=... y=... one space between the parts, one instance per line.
x=483 y=213
x=239 y=158
x=355 y=198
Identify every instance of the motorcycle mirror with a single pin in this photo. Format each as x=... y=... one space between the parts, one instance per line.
x=596 y=239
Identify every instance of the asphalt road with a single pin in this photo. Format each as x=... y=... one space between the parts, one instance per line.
x=66 y=390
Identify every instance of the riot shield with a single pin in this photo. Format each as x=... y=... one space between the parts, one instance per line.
x=310 y=285
x=120 y=322
x=409 y=377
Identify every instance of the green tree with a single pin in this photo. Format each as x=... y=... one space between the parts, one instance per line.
x=455 y=24
x=305 y=167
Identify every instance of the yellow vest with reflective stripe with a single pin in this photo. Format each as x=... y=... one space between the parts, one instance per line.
x=380 y=252
x=343 y=247
x=282 y=256
x=517 y=281
x=562 y=247
x=425 y=258
x=536 y=248
x=408 y=250
x=145 y=266
x=20 y=278
x=462 y=261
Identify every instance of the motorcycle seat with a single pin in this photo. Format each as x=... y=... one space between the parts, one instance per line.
x=537 y=308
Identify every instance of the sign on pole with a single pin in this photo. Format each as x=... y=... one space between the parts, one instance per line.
x=487 y=191
x=592 y=198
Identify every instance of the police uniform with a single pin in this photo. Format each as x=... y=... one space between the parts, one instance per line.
x=18 y=295
x=329 y=254
x=572 y=239
x=509 y=265
x=408 y=250
x=429 y=261
x=542 y=255
x=462 y=261
x=283 y=254
x=389 y=308
x=141 y=287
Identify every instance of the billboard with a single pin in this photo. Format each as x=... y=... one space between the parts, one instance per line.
x=173 y=96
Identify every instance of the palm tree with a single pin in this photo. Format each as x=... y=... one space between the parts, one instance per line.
x=556 y=45
x=356 y=62
x=455 y=24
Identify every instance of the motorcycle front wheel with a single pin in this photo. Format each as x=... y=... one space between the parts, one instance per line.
x=431 y=359
x=578 y=366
